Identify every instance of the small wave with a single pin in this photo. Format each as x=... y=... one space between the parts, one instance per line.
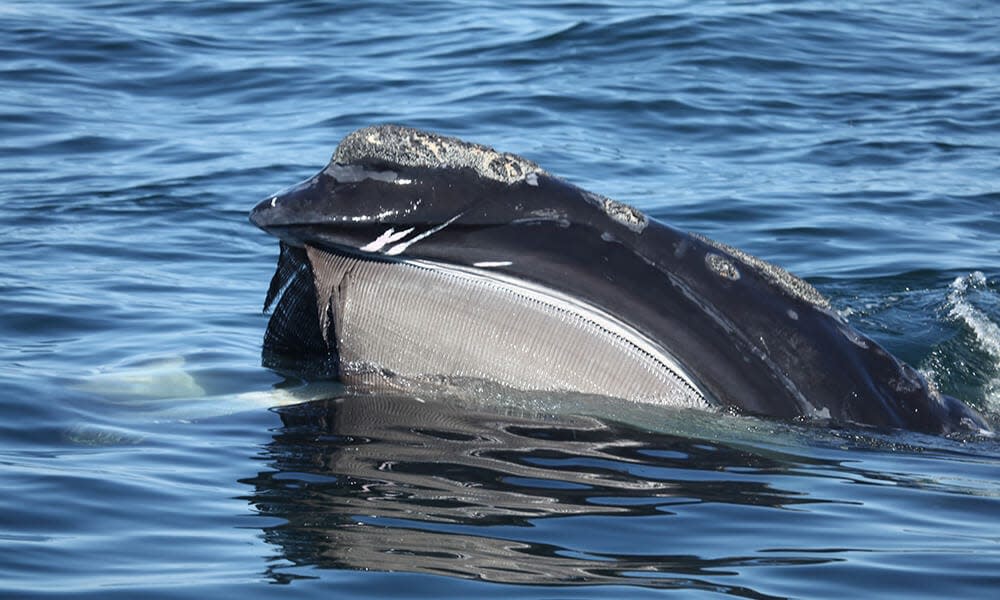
x=961 y=295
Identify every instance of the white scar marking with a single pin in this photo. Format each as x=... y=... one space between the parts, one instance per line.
x=390 y=236
x=274 y=200
x=492 y=263
x=401 y=247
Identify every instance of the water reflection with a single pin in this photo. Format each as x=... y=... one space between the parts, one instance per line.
x=394 y=484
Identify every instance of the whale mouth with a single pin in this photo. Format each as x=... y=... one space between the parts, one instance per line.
x=386 y=323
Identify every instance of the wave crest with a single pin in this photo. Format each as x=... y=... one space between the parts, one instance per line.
x=966 y=296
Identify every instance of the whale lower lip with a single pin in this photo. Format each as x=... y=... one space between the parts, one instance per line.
x=416 y=317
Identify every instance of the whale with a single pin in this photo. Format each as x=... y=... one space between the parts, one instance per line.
x=416 y=261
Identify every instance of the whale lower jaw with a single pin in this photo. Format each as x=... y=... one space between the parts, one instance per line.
x=419 y=325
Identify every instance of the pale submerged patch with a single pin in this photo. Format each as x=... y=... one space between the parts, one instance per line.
x=166 y=388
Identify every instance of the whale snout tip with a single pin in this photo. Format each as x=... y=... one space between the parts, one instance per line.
x=263 y=215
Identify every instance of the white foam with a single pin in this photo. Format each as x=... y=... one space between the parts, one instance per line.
x=986 y=331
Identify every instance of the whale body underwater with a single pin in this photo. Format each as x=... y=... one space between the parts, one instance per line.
x=415 y=260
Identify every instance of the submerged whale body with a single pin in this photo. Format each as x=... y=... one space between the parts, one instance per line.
x=415 y=260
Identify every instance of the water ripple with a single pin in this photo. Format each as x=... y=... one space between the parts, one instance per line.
x=854 y=144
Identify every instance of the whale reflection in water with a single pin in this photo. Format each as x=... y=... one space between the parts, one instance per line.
x=438 y=487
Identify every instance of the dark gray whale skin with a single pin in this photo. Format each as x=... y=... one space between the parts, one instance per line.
x=756 y=339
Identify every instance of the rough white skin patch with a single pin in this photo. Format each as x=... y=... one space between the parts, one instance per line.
x=408 y=147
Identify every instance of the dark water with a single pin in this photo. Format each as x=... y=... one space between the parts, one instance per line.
x=859 y=146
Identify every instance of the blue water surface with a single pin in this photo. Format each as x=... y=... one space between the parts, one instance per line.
x=144 y=452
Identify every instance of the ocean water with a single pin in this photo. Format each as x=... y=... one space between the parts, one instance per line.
x=144 y=451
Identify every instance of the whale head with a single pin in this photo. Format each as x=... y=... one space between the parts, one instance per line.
x=418 y=257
